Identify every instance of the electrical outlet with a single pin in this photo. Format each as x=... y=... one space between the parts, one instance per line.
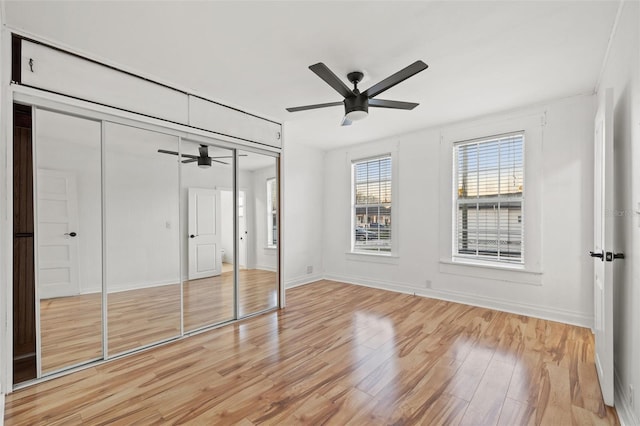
x=631 y=395
x=309 y=269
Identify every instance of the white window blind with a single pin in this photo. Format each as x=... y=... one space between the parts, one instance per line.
x=372 y=205
x=272 y=206
x=489 y=199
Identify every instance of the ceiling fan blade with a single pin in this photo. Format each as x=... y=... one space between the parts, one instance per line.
x=346 y=121
x=331 y=79
x=221 y=162
x=396 y=78
x=231 y=156
x=303 y=108
x=383 y=103
x=191 y=160
x=164 y=151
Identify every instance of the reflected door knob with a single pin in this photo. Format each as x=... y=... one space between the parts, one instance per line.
x=596 y=254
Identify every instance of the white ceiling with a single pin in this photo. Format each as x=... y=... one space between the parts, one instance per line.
x=483 y=56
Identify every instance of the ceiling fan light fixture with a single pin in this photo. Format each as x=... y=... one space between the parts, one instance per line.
x=357 y=115
x=204 y=162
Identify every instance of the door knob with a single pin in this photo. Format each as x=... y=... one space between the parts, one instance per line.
x=613 y=256
x=192 y=236
x=71 y=234
x=600 y=255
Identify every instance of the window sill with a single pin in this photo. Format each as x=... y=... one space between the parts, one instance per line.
x=491 y=271
x=372 y=257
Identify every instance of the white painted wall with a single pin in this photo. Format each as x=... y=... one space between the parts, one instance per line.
x=622 y=73
x=559 y=223
x=141 y=209
x=303 y=216
x=266 y=258
x=226 y=221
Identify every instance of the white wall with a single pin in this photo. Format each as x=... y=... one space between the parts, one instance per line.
x=622 y=73
x=141 y=209
x=559 y=225
x=304 y=228
x=266 y=258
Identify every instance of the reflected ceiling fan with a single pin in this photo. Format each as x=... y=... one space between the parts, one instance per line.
x=203 y=159
x=356 y=104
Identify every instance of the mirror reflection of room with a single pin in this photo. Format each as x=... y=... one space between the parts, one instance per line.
x=257 y=243
x=69 y=239
x=142 y=237
x=206 y=193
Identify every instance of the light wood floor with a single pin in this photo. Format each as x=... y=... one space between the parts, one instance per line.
x=71 y=327
x=342 y=354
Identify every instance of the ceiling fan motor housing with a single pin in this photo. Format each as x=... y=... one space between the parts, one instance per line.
x=356 y=103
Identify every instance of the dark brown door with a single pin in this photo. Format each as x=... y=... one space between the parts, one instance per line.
x=24 y=314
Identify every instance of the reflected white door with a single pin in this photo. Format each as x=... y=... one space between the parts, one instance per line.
x=204 y=233
x=603 y=241
x=242 y=230
x=57 y=234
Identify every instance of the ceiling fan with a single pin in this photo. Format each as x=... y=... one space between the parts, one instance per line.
x=356 y=104
x=203 y=158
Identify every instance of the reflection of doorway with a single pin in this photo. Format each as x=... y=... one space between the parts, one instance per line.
x=57 y=234
x=205 y=259
x=226 y=197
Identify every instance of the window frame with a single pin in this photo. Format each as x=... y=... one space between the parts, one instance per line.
x=479 y=258
x=272 y=212
x=352 y=162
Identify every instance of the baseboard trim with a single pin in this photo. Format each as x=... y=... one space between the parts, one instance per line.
x=302 y=280
x=536 y=311
x=625 y=412
x=267 y=268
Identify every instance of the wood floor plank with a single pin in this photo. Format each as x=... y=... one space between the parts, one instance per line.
x=341 y=354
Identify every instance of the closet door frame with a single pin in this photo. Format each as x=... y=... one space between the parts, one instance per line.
x=37 y=99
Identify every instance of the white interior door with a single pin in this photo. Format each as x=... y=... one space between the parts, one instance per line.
x=204 y=233
x=242 y=230
x=604 y=244
x=57 y=234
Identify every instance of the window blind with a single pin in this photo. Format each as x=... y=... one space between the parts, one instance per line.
x=372 y=205
x=489 y=198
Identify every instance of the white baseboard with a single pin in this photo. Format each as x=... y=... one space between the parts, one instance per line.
x=266 y=268
x=302 y=280
x=138 y=286
x=536 y=311
x=625 y=410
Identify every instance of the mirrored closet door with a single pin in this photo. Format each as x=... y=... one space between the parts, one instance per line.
x=142 y=235
x=257 y=215
x=206 y=196
x=142 y=232
x=68 y=223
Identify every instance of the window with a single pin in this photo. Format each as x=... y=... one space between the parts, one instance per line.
x=272 y=207
x=489 y=198
x=372 y=205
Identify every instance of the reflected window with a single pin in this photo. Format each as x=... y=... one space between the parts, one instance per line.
x=272 y=205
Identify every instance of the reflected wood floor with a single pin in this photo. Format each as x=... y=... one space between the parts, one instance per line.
x=342 y=354
x=71 y=327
